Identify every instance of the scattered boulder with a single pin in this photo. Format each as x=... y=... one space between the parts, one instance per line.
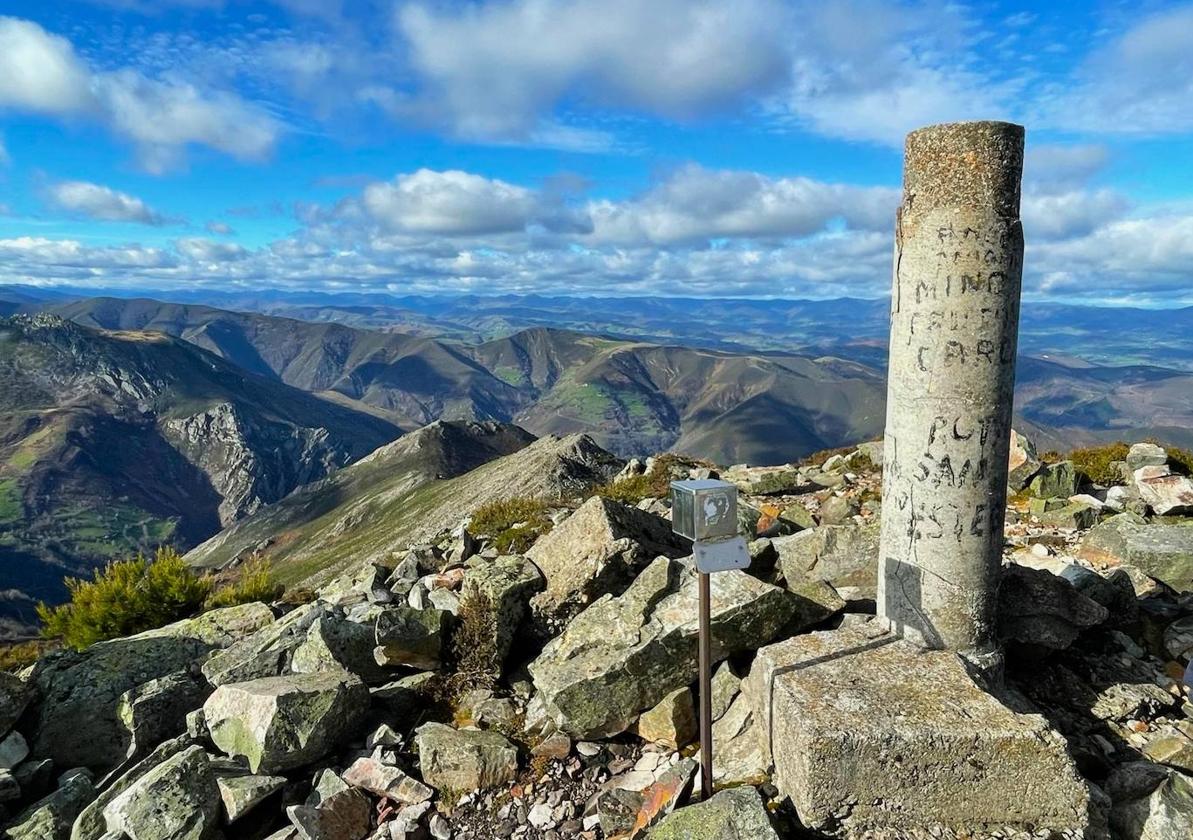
x=598 y=550
x=464 y=759
x=336 y=643
x=672 y=722
x=1038 y=608
x=736 y=814
x=13 y=750
x=385 y=780
x=1146 y=455
x=177 y=800
x=240 y=794
x=267 y=652
x=1057 y=480
x=1163 y=812
x=279 y=723
x=15 y=696
x=346 y=815
x=88 y=686
x=1023 y=463
x=1071 y=515
x=843 y=555
x=869 y=733
x=623 y=654
x=51 y=817
x=739 y=758
x=157 y=709
x=725 y=687
x=507 y=583
x=1165 y=492
x=410 y=637
x=838 y=510
x=768 y=481
x=1162 y=551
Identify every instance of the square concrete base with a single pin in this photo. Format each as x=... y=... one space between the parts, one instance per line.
x=871 y=736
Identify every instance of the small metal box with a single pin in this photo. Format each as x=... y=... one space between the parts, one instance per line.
x=704 y=509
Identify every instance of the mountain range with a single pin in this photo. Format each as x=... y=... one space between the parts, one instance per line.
x=130 y=421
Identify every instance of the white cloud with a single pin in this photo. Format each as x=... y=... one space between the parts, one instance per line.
x=220 y=228
x=1140 y=82
x=1051 y=167
x=68 y=258
x=103 y=203
x=494 y=71
x=449 y=203
x=41 y=72
x=697 y=204
x=1068 y=214
x=209 y=251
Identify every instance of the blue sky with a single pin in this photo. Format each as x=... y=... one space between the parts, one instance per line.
x=695 y=147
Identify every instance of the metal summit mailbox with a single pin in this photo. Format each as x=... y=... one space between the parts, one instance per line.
x=705 y=511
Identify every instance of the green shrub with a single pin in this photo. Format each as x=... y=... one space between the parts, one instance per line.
x=18 y=655
x=655 y=484
x=1095 y=462
x=255 y=582
x=1181 y=460
x=126 y=597
x=513 y=524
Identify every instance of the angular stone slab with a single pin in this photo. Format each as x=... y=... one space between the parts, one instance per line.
x=464 y=759
x=279 y=723
x=843 y=555
x=869 y=733
x=736 y=814
x=177 y=800
x=622 y=655
x=1161 y=551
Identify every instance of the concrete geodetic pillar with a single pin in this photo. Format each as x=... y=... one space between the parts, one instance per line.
x=954 y=327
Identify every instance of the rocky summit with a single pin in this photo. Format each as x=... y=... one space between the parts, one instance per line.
x=466 y=676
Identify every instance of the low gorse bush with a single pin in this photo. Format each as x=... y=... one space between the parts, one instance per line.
x=1097 y=462
x=137 y=594
x=513 y=524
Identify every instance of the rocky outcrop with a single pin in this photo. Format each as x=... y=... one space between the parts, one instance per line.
x=623 y=654
x=177 y=800
x=91 y=686
x=279 y=723
x=598 y=550
x=1038 y=608
x=844 y=555
x=1162 y=551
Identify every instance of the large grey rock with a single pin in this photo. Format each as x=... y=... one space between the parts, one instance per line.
x=385 y=780
x=335 y=643
x=1146 y=455
x=1057 y=480
x=1165 y=492
x=1162 y=551
x=1036 y=607
x=177 y=800
x=240 y=794
x=15 y=695
x=342 y=816
x=13 y=750
x=598 y=550
x=507 y=583
x=737 y=814
x=88 y=686
x=738 y=756
x=464 y=759
x=410 y=637
x=266 y=653
x=843 y=555
x=279 y=723
x=50 y=818
x=1163 y=812
x=90 y=824
x=869 y=733
x=767 y=481
x=1023 y=463
x=157 y=710
x=623 y=654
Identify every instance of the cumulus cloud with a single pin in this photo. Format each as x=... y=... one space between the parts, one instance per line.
x=42 y=73
x=696 y=204
x=209 y=251
x=102 y=203
x=493 y=71
x=449 y=203
x=1140 y=82
x=219 y=228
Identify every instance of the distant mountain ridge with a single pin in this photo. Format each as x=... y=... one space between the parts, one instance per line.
x=118 y=440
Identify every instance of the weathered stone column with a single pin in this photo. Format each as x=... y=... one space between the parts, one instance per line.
x=954 y=328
